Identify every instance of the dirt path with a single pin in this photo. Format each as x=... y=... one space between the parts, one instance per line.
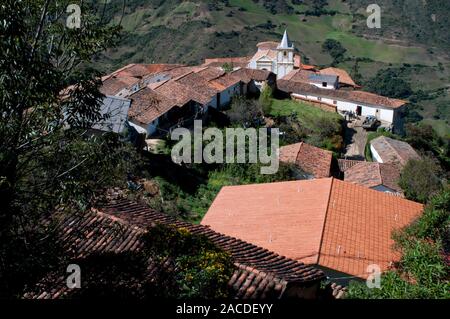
x=355 y=141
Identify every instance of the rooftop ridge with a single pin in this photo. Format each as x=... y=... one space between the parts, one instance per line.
x=242 y=252
x=319 y=253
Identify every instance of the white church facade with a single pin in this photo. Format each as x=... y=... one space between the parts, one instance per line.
x=273 y=57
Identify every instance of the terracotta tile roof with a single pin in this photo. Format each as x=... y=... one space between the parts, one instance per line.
x=299 y=75
x=358 y=228
x=247 y=75
x=344 y=77
x=285 y=217
x=181 y=93
x=130 y=75
x=336 y=224
x=290 y=86
x=235 y=62
x=268 y=45
x=113 y=85
x=148 y=105
x=269 y=53
x=210 y=73
x=310 y=159
x=370 y=174
x=308 y=67
x=393 y=151
x=227 y=80
x=117 y=227
x=198 y=84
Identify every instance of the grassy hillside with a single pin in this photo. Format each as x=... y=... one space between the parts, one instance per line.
x=414 y=35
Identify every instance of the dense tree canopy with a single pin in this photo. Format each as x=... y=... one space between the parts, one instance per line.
x=389 y=83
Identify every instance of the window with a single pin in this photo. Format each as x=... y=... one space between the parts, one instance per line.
x=335 y=102
x=285 y=53
x=324 y=84
x=319 y=98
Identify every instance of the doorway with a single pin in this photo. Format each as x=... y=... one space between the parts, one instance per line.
x=358 y=110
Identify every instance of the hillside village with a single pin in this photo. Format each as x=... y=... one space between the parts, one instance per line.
x=334 y=220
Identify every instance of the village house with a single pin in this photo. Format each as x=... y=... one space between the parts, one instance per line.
x=340 y=227
x=118 y=226
x=387 y=110
x=388 y=150
x=255 y=80
x=311 y=161
x=377 y=176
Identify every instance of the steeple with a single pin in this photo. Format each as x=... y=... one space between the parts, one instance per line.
x=285 y=43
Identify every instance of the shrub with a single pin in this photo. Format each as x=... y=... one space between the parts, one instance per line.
x=419 y=179
x=265 y=99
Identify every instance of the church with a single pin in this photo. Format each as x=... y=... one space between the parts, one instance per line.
x=278 y=58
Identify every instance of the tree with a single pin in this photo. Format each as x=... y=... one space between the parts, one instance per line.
x=335 y=49
x=419 y=179
x=245 y=111
x=389 y=83
x=424 y=138
x=265 y=99
x=48 y=161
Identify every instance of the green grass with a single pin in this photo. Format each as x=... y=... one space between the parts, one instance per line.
x=305 y=111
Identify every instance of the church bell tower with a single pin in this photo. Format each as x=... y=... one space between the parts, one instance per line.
x=285 y=56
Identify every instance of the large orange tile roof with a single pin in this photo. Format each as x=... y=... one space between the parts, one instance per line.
x=332 y=223
x=285 y=217
x=359 y=226
x=310 y=159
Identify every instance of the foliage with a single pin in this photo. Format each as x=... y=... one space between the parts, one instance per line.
x=300 y=121
x=389 y=83
x=265 y=99
x=192 y=266
x=425 y=139
x=48 y=160
x=419 y=179
x=422 y=271
x=227 y=67
x=245 y=111
x=335 y=49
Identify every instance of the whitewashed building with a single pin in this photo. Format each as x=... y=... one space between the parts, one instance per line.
x=279 y=60
x=389 y=111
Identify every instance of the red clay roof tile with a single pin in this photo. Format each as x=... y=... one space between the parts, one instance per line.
x=339 y=225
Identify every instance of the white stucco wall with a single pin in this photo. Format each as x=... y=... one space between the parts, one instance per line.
x=330 y=86
x=386 y=115
x=375 y=155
